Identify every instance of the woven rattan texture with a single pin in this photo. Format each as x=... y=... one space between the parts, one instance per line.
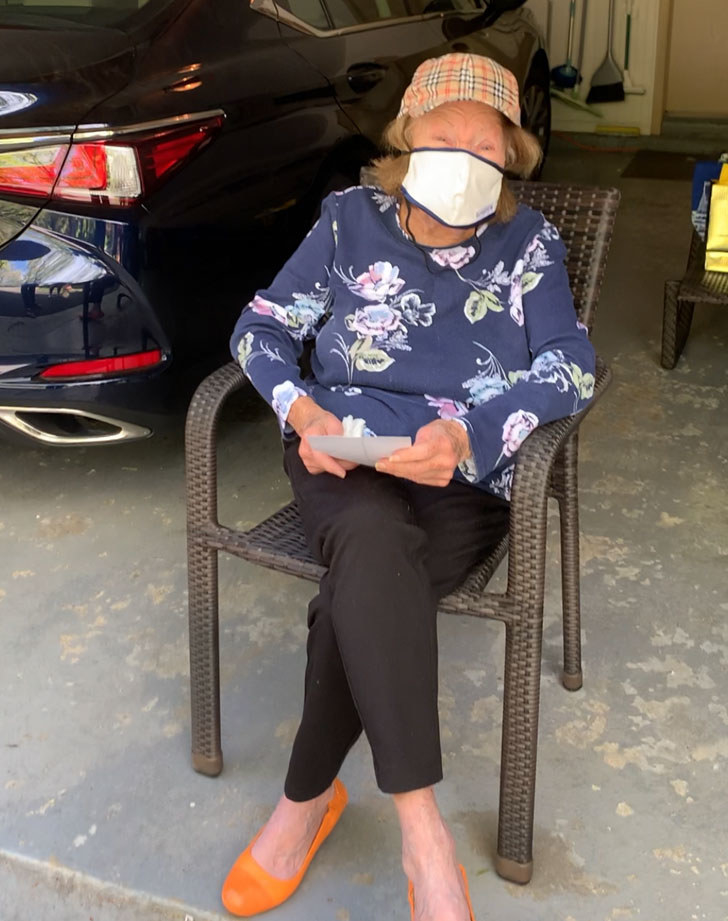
x=546 y=465
x=696 y=287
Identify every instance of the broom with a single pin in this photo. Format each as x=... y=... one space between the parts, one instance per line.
x=606 y=85
x=567 y=76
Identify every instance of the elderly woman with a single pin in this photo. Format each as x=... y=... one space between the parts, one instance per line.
x=438 y=310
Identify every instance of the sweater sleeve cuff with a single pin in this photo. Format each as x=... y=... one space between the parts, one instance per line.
x=468 y=467
x=283 y=397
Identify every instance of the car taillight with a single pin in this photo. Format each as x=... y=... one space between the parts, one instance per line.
x=99 y=169
x=119 y=169
x=120 y=364
x=33 y=171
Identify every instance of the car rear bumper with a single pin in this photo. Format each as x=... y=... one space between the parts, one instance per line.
x=70 y=292
x=93 y=413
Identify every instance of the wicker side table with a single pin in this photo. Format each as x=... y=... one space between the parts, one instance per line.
x=696 y=287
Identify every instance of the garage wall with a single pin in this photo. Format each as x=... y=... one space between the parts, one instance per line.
x=648 y=52
x=697 y=76
x=678 y=54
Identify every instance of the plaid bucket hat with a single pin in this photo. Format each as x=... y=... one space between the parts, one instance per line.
x=461 y=77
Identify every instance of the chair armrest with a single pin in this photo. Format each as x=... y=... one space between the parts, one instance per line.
x=201 y=442
x=534 y=463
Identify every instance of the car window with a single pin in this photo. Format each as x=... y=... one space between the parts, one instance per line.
x=309 y=11
x=358 y=12
x=445 y=6
x=325 y=15
x=49 y=13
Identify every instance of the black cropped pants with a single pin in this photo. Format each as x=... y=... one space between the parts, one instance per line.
x=392 y=549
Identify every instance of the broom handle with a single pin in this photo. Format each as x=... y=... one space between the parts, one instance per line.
x=570 y=43
x=582 y=36
x=628 y=34
x=611 y=27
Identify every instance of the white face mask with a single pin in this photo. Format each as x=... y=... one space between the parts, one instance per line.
x=456 y=187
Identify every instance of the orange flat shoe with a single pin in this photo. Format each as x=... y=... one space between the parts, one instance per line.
x=249 y=890
x=411 y=895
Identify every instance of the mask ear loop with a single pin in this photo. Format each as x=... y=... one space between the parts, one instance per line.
x=426 y=255
x=407 y=227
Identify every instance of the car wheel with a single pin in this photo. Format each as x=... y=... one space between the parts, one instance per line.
x=340 y=171
x=342 y=177
x=536 y=107
x=337 y=182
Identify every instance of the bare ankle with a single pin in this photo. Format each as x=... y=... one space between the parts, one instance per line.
x=422 y=851
x=315 y=801
x=287 y=835
x=425 y=836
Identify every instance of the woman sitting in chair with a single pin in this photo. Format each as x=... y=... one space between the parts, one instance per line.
x=441 y=311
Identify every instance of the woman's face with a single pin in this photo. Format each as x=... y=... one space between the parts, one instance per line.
x=472 y=126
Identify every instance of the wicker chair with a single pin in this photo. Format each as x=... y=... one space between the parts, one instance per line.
x=546 y=466
x=696 y=287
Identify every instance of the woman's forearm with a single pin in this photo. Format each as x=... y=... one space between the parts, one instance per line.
x=302 y=412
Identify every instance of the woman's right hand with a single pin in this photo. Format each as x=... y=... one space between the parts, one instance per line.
x=306 y=417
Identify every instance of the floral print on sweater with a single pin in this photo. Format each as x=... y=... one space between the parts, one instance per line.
x=484 y=333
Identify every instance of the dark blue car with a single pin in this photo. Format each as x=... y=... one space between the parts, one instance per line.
x=158 y=161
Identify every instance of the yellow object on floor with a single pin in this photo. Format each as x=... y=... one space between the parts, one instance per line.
x=716 y=246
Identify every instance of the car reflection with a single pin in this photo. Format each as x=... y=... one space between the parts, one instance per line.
x=15 y=102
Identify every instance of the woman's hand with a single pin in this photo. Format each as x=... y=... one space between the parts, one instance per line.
x=306 y=417
x=438 y=448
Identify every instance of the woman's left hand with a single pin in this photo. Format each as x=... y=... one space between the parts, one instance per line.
x=438 y=448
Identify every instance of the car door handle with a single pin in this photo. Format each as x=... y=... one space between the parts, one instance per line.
x=364 y=77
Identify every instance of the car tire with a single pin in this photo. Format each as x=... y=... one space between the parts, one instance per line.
x=337 y=182
x=341 y=171
x=536 y=107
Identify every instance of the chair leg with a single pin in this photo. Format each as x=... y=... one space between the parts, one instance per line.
x=676 y=319
x=572 y=676
x=514 y=860
x=204 y=659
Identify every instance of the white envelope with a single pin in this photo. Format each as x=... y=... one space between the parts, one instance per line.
x=366 y=450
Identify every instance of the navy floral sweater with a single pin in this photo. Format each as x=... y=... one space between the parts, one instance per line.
x=484 y=332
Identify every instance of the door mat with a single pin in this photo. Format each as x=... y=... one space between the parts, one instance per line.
x=662 y=164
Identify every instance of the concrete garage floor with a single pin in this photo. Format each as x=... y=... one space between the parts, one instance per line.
x=102 y=815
